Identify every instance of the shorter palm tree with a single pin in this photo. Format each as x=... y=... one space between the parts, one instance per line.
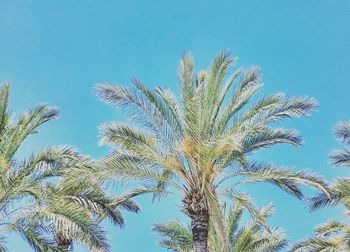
x=48 y=199
x=334 y=235
x=70 y=210
x=340 y=189
x=20 y=181
x=254 y=236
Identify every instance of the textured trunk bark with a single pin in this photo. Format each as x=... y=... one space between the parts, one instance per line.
x=199 y=226
x=196 y=207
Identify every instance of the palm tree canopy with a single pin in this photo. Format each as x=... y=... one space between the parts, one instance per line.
x=204 y=139
x=198 y=146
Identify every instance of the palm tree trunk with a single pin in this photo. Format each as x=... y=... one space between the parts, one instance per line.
x=196 y=207
x=199 y=226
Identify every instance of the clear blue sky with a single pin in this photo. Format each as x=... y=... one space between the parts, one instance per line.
x=55 y=52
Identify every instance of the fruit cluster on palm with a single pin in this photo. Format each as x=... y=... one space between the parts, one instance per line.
x=334 y=235
x=199 y=146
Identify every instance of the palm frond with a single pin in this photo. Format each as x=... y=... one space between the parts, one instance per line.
x=69 y=221
x=330 y=228
x=4 y=113
x=269 y=137
x=339 y=193
x=34 y=236
x=286 y=179
x=26 y=125
x=177 y=236
x=233 y=218
x=320 y=244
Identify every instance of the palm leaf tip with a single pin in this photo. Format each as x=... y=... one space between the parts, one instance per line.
x=104 y=91
x=318 y=201
x=342 y=132
x=340 y=157
x=110 y=93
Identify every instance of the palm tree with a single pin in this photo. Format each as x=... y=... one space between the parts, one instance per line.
x=254 y=236
x=334 y=235
x=340 y=189
x=20 y=181
x=199 y=147
x=38 y=197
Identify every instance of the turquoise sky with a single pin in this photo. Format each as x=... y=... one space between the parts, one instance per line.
x=55 y=52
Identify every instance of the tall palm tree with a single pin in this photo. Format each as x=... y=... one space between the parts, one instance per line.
x=334 y=235
x=199 y=146
x=254 y=236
